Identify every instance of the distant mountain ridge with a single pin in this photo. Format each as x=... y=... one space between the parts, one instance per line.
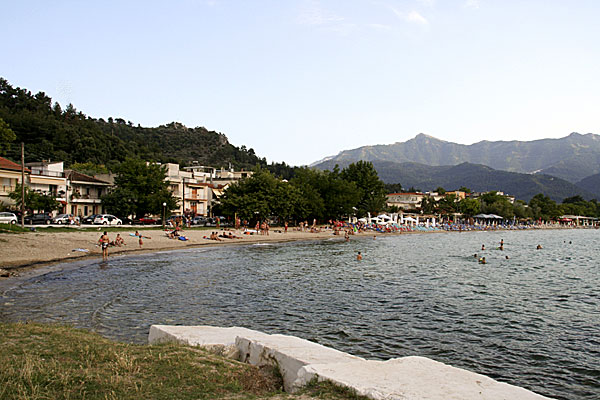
x=479 y=178
x=571 y=158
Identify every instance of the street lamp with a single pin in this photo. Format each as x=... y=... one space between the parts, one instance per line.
x=164 y=214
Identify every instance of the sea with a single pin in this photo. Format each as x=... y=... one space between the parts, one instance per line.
x=529 y=317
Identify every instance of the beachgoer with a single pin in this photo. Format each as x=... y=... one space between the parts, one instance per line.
x=140 y=241
x=507 y=257
x=285 y=226
x=475 y=255
x=104 y=241
x=482 y=260
x=119 y=240
x=359 y=256
x=483 y=247
x=539 y=247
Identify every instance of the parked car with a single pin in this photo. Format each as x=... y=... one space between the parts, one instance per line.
x=41 y=218
x=172 y=219
x=107 y=219
x=89 y=219
x=199 y=220
x=65 y=219
x=146 y=221
x=8 y=218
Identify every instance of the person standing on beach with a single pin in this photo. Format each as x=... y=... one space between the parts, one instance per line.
x=140 y=241
x=285 y=226
x=104 y=242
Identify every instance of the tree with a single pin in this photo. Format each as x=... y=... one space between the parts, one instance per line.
x=251 y=198
x=371 y=190
x=544 y=207
x=34 y=201
x=428 y=205
x=6 y=136
x=393 y=187
x=469 y=207
x=140 y=189
x=89 y=168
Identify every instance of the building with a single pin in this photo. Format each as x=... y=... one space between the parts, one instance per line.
x=405 y=201
x=84 y=194
x=48 y=178
x=10 y=176
x=197 y=187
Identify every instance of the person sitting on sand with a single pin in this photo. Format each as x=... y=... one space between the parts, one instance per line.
x=119 y=241
x=213 y=236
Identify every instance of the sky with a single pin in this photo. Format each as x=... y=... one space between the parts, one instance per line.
x=299 y=80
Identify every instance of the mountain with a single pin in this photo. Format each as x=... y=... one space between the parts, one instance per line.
x=591 y=184
x=479 y=178
x=572 y=158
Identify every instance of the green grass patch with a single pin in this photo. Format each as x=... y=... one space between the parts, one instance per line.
x=42 y=361
x=13 y=228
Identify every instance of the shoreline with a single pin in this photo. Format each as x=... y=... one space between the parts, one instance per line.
x=29 y=251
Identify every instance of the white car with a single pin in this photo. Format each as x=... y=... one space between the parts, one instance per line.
x=65 y=219
x=107 y=219
x=8 y=218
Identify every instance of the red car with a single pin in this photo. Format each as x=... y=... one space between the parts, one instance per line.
x=147 y=221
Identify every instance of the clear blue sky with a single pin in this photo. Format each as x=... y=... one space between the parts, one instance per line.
x=298 y=80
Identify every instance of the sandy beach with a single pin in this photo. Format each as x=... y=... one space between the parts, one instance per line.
x=35 y=249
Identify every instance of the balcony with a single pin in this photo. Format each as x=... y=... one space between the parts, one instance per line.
x=52 y=174
x=6 y=189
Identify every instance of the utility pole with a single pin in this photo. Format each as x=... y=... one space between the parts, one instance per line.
x=22 y=185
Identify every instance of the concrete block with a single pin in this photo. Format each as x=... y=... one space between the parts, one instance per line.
x=289 y=354
x=215 y=339
x=414 y=378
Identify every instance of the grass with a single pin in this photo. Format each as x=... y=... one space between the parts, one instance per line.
x=13 y=228
x=42 y=361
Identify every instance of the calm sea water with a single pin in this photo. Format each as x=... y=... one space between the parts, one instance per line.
x=532 y=320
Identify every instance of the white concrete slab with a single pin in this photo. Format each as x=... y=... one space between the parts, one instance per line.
x=290 y=354
x=216 y=339
x=300 y=361
x=415 y=378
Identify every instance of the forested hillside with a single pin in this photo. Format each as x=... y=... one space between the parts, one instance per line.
x=52 y=133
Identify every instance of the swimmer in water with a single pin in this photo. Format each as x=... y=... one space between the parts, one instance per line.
x=475 y=255
x=483 y=247
x=507 y=257
x=482 y=260
x=539 y=247
x=359 y=256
